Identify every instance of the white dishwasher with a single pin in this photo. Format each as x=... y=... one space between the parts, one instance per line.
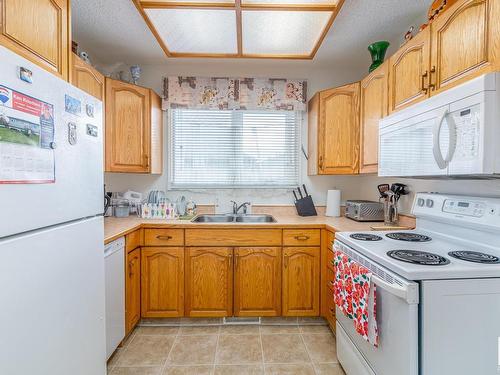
x=114 y=260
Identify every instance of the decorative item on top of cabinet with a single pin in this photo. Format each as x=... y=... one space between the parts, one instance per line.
x=257 y=281
x=377 y=51
x=162 y=282
x=132 y=289
x=209 y=281
x=373 y=108
x=409 y=72
x=38 y=30
x=301 y=278
x=133 y=129
x=465 y=43
x=334 y=131
x=87 y=78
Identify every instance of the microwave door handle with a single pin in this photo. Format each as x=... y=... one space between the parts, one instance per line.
x=452 y=145
x=436 y=149
x=396 y=290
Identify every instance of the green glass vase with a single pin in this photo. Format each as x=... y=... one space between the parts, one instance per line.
x=377 y=51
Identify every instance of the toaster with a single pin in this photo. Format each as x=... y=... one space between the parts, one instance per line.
x=361 y=210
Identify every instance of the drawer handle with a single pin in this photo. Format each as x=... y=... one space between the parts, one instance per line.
x=302 y=238
x=166 y=238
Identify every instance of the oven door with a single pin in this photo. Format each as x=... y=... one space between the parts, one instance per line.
x=397 y=320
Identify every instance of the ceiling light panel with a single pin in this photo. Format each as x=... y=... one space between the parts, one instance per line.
x=196 y=31
x=282 y=32
x=332 y=3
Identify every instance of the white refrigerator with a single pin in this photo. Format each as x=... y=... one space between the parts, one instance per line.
x=51 y=224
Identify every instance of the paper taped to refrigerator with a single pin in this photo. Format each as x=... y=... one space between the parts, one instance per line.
x=26 y=139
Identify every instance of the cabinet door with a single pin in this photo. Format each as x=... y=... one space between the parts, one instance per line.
x=409 y=72
x=162 y=286
x=373 y=108
x=38 y=30
x=132 y=289
x=301 y=277
x=209 y=281
x=465 y=42
x=128 y=127
x=86 y=78
x=339 y=130
x=257 y=281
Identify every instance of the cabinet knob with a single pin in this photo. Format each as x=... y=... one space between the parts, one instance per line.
x=302 y=238
x=164 y=238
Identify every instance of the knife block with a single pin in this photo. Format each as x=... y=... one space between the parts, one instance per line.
x=305 y=206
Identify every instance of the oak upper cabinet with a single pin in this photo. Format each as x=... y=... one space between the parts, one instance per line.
x=257 y=281
x=132 y=289
x=162 y=286
x=409 y=72
x=465 y=43
x=373 y=108
x=87 y=78
x=38 y=30
x=133 y=129
x=209 y=281
x=301 y=277
x=334 y=131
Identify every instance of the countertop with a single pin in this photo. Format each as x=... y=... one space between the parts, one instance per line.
x=117 y=227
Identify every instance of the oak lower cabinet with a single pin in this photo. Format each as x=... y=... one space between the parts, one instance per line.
x=87 y=78
x=132 y=289
x=162 y=285
x=465 y=43
x=257 y=281
x=39 y=31
x=301 y=278
x=209 y=281
x=373 y=108
x=133 y=129
x=333 y=131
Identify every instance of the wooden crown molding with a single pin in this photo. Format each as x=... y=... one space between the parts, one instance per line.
x=238 y=7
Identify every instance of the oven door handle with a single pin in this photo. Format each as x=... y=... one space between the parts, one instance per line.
x=408 y=293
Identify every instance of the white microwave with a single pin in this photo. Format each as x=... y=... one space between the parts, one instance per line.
x=453 y=134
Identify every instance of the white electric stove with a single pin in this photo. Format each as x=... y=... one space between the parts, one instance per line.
x=438 y=291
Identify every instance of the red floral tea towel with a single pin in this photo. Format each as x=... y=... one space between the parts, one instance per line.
x=354 y=294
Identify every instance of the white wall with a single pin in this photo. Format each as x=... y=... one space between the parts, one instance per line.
x=317 y=79
x=353 y=187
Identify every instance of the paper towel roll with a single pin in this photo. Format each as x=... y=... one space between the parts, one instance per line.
x=333 y=203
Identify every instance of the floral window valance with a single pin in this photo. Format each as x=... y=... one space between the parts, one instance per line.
x=234 y=93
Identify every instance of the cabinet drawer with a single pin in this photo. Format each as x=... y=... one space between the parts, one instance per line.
x=330 y=237
x=163 y=237
x=233 y=237
x=133 y=240
x=301 y=237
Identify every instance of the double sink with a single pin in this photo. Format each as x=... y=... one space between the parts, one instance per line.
x=230 y=218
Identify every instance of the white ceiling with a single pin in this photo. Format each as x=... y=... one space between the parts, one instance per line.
x=112 y=31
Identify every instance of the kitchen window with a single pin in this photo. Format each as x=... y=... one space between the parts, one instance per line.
x=234 y=148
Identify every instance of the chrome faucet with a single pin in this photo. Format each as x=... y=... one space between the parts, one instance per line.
x=237 y=208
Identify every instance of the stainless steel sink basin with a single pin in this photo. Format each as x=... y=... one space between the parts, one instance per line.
x=255 y=219
x=213 y=219
x=234 y=219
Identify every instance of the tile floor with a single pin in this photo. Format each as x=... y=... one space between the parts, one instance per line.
x=277 y=347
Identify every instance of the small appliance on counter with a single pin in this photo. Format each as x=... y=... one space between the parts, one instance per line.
x=304 y=205
x=362 y=210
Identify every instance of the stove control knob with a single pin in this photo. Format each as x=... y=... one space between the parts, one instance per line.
x=420 y=202
x=429 y=203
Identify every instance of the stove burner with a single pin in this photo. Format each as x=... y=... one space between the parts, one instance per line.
x=365 y=237
x=418 y=257
x=410 y=237
x=474 y=256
